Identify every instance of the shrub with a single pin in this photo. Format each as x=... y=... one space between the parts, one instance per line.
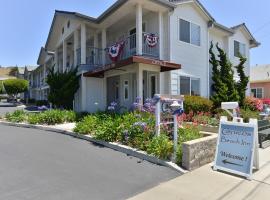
x=34 y=118
x=253 y=104
x=16 y=117
x=188 y=133
x=197 y=104
x=87 y=125
x=246 y=114
x=161 y=147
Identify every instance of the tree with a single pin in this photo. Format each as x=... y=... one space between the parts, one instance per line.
x=15 y=86
x=227 y=73
x=241 y=85
x=63 y=87
x=219 y=88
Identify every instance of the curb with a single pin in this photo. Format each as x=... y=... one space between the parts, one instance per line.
x=112 y=145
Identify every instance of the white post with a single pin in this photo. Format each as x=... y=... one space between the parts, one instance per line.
x=76 y=45
x=56 y=60
x=64 y=55
x=139 y=32
x=104 y=45
x=175 y=135
x=157 y=113
x=140 y=83
x=83 y=44
x=161 y=36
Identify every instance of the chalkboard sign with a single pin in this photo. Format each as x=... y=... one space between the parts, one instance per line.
x=236 y=147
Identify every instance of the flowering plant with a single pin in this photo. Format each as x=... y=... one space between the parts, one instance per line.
x=253 y=104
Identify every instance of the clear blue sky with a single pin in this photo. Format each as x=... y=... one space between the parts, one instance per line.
x=25 y=24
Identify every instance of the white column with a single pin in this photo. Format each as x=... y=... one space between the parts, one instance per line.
x=83 y=44
x=139 y=39
x=161 y=35
x=83 y=93
x=104 y=45
x=96 y=39
x=76 y=45
x=56 y=60
x=140 y=83
x=64 y=55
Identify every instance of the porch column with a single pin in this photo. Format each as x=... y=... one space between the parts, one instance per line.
x=56 y=60
x=161 y=36
x=83 y=93
x=64 y=55
x=95 y=39
x=104 y=45
x=140 y=83
x=83 y=44
x=139 y=33
x=76 y=45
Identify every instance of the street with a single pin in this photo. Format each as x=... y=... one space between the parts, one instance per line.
x=43 y=165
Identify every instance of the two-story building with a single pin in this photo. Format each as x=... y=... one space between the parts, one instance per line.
x=138 y=48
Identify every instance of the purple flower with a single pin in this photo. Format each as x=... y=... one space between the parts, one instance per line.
x=142 y=125
x=111 y=108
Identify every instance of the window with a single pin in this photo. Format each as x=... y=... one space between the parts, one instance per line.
x=63 y=30
x=189 y=86
x=257 y=92
x=68 y=24
x=239 y=48
x=153 y=85
x=189 y=32
x=126 y=90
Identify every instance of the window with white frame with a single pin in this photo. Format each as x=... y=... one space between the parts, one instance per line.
x=189 y=32
x=126 y=90
x=239 y=49
x=189 y=86
x=257 y=92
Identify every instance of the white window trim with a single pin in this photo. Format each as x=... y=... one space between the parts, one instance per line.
x=178 y=32
x=126 y=86
x=256 y=88
x=190 y=81
x=239 y=48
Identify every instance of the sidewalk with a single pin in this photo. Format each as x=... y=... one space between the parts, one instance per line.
x=206 y=184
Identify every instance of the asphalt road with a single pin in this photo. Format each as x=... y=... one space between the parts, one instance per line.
x=39 y=165
x=6 y=107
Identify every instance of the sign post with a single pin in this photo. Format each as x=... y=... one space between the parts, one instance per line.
x=237 y=147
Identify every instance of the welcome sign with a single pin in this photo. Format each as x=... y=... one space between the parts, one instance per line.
x=236 y=147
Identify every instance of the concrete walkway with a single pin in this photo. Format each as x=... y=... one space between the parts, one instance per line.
x=206 y=184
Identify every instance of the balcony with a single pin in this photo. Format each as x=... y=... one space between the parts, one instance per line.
x=94 y=56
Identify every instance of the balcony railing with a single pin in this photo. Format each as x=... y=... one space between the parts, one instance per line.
x=94 y=55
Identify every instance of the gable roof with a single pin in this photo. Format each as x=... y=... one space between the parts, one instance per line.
x=260 y=73
x=253 y=41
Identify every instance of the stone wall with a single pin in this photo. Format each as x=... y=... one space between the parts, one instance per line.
x=197 y=153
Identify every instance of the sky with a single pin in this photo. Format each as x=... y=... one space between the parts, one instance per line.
x=26 y=23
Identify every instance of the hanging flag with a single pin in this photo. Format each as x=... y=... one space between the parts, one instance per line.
x=116 y=50
x=151 y=39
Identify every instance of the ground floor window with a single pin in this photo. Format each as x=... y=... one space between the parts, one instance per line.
x=257 y=92
x=126 y=90
x=189 y=86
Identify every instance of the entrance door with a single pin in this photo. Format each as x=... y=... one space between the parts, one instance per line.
x=152 y=85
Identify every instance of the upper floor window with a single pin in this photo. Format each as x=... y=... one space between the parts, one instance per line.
x=189 y=32
x=239 y=49
x=126 y=90
x=257 y=92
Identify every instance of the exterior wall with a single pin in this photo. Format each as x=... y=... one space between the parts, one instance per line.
x=265 y=86
x=240 y=37
x=194 y=59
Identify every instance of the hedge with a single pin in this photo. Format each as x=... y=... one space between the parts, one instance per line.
x=197 y=104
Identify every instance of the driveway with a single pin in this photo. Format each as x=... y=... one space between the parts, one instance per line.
x=43 y=165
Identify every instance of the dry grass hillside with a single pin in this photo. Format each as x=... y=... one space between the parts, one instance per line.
x=8 y=72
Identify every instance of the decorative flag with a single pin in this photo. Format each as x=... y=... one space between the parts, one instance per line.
x=116 y=50
x=151 y=39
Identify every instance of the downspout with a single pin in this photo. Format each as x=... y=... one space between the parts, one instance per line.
x=208 y=66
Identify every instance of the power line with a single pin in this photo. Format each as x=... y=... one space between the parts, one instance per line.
x=261 y=27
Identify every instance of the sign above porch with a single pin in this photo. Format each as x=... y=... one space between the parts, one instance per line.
x=165 y=65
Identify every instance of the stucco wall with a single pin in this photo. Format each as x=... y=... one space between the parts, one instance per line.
x=265 y=86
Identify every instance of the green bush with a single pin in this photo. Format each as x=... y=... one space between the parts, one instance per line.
x=15 y=86
x=87 y=125
x=246 y=114
x=34 y=119
x=197 y=104
x=188 y=133
x=16 y=117
x=161 y=147
x=42 y=103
